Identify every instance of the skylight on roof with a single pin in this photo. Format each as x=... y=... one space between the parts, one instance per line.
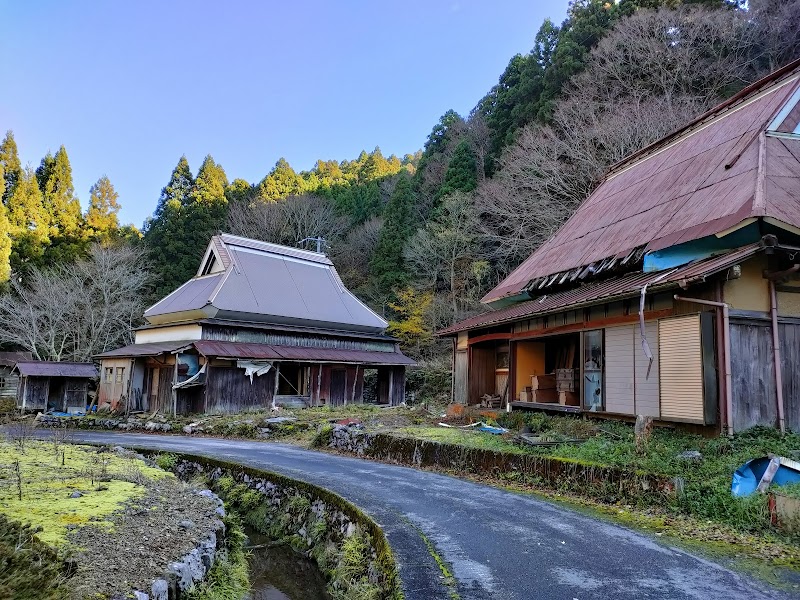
x=787 y=121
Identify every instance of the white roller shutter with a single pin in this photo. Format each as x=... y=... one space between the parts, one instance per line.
x=681 y=368
x=647 y=387
x=619 y=371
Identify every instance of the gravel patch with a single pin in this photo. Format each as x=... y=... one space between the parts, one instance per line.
x=151 y=532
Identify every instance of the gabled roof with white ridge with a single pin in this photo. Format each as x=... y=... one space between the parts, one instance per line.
x=251 y=280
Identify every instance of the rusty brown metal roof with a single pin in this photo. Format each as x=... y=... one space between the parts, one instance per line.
x=38 y=368
x=295 y=329
x=608 y=290
x=149 y=349
x=221 y=349
x=700 y=181
x=9 y=359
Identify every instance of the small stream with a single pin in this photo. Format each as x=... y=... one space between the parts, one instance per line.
x=279 y=573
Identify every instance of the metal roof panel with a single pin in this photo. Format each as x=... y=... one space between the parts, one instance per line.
x=39 y=368
x=603 y=291
x=299 y=353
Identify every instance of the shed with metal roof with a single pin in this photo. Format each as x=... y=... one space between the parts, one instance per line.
x=54 y=386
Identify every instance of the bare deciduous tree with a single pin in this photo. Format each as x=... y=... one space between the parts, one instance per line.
x=652 y=74
x=447 y=254
x=480 y=137
x=72 y=312
x=287 y=221
x=776 y=23
x=352 y=255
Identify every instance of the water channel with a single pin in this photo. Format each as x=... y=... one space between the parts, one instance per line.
x=279 y=573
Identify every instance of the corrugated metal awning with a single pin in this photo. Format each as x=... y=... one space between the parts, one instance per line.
x=37 y=368
x=605 y=291
x=150 y=349
x=237 y=350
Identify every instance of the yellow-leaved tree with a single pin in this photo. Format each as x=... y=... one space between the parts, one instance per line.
x=411 y=322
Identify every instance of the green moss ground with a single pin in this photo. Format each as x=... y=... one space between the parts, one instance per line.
x=47 y=485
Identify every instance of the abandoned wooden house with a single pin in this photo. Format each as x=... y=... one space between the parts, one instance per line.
x=56 y=386
x=260 y=325
x=9 y=378
x=673 y=291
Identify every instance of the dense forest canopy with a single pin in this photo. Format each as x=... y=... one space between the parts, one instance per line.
x=422 y=237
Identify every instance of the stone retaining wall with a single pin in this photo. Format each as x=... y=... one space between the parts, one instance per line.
x=298 y=509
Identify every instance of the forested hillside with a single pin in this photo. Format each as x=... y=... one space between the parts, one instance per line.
x=421 y=238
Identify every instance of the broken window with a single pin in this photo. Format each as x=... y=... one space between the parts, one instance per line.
x=109 y=374
x=594 y=360
x=120 y=374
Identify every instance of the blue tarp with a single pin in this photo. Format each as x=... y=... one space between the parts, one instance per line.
x=747 y=477
x=682 y=254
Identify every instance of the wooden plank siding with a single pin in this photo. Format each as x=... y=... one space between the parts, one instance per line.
x=75 y=393
x=163 y=401
x=752 y=367
x=790 y=362
x=397 y=385
x=338 y=386
x=482 y=367
x=681 y=372
x=9 y=382
x=619 y=375
x=230 y=391
x=36 y=392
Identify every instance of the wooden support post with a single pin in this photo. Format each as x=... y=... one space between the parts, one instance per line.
x=174 y=391
x=205 y=387
x=319 y=384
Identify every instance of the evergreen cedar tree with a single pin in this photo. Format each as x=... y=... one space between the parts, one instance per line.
x=189 y=212
x=41 y=223
x=101 y=217
x=387 y=265
x=5 y=233
x=462 y=171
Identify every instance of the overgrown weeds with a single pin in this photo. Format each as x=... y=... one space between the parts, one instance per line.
x=703 y=484
x=30 y=569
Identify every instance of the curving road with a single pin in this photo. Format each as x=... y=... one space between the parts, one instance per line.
x=498 y=544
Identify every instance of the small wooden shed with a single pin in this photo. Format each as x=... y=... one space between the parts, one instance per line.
x=58 y=386
x=9 y=380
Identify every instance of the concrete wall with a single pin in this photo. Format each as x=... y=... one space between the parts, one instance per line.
x=751 y=290
x=187 y=331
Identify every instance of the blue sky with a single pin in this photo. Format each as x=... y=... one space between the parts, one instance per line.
x=128 y=87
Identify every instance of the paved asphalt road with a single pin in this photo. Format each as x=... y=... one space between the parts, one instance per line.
x=498 y=544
